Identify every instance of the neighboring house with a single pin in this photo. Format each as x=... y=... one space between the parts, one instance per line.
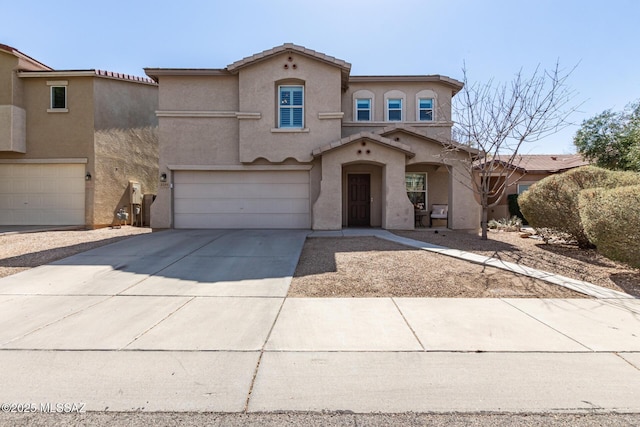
x=287 y=138
x=529 y=169
x=70 y=142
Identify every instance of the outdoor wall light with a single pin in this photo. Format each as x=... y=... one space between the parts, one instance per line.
x=87 y=177
x=163 y=177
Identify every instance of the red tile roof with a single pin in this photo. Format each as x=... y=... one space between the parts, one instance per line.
x=546 y=162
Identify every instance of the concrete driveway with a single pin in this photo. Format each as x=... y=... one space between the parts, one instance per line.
x=198 y=320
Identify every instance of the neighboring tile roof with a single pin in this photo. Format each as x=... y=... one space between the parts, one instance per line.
x=86 y=73
x=289 y=47
x=364 y=135
x=546 y=162
x=120 y=76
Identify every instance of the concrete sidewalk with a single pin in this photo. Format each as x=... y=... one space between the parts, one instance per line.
x=199 y=321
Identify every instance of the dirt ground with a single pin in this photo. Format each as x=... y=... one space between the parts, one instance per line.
x=370 y=267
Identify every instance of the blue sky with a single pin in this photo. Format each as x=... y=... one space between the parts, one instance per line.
x=495 y=38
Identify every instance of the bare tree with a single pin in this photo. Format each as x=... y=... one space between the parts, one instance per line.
x=498 y=120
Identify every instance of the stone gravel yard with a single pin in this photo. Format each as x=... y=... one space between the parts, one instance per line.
x=371 y=267
x=19 y=252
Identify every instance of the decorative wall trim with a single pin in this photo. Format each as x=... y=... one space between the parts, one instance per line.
x=409 y=123
x=248 y=116
x=287 y=130
x=239 y=167
x=330 y=116
x=210 y=114
x=43 y=161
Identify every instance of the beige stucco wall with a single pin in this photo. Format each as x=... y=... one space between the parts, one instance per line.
x=126 y=144
x=199 y=93
x=123 y=155
x=396 y=211
x=8 y=63
x=258 y=86
x=13 y=129
x=440 y=128
x=12 y=114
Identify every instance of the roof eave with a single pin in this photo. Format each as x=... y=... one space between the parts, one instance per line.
x=156 y=73
x=454 y=84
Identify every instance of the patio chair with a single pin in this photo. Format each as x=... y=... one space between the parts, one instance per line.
x=439 y=212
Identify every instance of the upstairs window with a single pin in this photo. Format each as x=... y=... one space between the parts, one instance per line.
x=363 y=110
x=394 y=110
x=425 y=109
x=291 y=107
x=58 y=97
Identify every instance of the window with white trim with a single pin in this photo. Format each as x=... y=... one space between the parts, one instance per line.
x=291 y=107
x=425 y=109
x=394 y=110
x=523 y=187
x=58 y=98
x=363 y=110
x=417 y=189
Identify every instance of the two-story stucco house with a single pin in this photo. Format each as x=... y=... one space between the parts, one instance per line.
x=71 y=141
x=287 y=138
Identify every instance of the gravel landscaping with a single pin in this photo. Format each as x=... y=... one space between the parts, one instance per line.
x=371 y=267
x=19 y=252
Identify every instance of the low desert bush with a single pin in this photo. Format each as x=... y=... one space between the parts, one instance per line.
x=552 y=203
x=611 y=221
x=506 y=224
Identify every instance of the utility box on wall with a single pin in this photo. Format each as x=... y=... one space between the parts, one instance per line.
x=135 y=193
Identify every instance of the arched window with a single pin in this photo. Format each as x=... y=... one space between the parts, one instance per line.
x=394 y=106
x=426 y=106
x=363 y=106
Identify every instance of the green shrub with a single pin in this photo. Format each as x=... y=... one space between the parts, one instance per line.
x=552 y=203
x=611 y=220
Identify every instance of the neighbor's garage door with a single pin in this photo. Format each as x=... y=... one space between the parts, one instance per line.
x=42 y=194
x=241 y=199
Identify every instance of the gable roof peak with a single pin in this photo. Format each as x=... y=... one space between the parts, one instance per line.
x=289 y=47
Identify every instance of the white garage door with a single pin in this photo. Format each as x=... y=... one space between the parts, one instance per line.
x=241 y=199
x=42 y=194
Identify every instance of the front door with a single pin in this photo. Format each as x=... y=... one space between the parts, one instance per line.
x=359 y=203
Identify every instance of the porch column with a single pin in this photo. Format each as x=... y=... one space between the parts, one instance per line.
x=397 y=212
x=464 y=210
x=327 y=210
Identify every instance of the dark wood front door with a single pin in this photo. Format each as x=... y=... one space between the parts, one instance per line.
x=359 y=203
